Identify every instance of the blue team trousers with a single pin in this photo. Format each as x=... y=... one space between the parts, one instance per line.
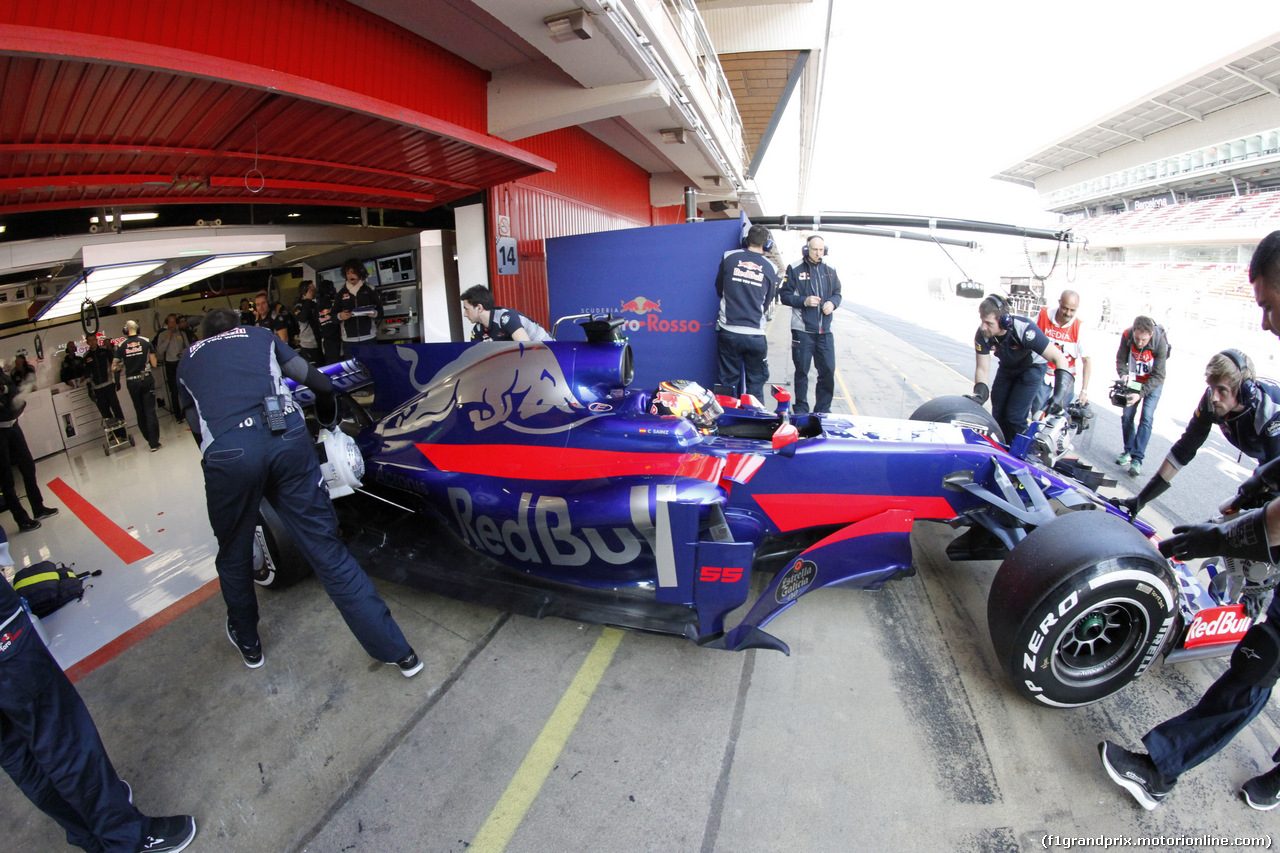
x=241 y=467
x=1178 y=744
x=1012 y=393
x=50 y=747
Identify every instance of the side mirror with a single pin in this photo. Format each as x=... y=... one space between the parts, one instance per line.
x=970 y=290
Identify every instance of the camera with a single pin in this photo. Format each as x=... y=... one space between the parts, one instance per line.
x=1121 y=389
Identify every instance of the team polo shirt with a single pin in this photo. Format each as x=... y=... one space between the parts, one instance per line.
x=134 y=352
x=505 y=322
x=226 y=377
x=1254 y=431
x=1021 y=346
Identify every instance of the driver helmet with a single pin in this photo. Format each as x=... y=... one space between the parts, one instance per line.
x=682 y=398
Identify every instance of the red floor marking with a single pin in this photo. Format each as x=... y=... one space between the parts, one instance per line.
x=141 y=632
x=127 y=548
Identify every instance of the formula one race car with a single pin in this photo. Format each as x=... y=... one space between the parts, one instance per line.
x=529 y=477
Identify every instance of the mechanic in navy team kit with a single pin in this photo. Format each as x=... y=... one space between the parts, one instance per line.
x=267 y=319
x=1141 y=356
x=746 y=285
x=497 y=324
x=812 y=289
x=358 y=307
x=14 y=453
x=1240 y=694
x=1024 y=353
x=51 y=749
x=255 y=445
x=103 y=383
x=137 y=359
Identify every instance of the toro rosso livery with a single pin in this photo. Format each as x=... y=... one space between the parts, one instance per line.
x=529 y=476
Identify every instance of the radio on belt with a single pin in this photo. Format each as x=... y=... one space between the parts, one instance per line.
x=274 y=413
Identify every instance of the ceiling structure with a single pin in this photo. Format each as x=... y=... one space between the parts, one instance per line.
x=1250 y=74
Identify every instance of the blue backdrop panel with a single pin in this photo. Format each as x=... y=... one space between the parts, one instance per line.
x=662 y=280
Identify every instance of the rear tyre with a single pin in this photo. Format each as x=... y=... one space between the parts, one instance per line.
x=962 y=411
x=277 y=561
x=1080 y=608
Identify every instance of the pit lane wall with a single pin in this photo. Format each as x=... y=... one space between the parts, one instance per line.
x=660 y=279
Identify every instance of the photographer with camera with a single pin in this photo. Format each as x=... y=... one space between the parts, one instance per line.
x=1024 y=357
x=1245 y=408
x=1141 y=356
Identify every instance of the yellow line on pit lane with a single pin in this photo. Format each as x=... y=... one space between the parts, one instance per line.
x=501 y=825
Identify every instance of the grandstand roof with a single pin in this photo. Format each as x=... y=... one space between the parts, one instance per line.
x=1252 y=72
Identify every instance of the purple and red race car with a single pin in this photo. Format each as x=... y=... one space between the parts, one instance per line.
x=532 y=478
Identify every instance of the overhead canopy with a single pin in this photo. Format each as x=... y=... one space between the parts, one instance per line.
x=86 y=123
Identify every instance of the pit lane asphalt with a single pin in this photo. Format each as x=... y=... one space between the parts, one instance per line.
x=890 y=726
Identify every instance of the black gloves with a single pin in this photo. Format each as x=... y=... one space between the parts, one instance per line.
x=1255 y=601
x=1152 y=490
x=1260 y=485
x=981 y=393
x=1245 y=537
x=1063 y=382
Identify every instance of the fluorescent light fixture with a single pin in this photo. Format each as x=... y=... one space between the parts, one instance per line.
x=1 y=229
x=190 y=275
x=293 y=215
x=126 y=217
x=98 y=283
x=99 y=252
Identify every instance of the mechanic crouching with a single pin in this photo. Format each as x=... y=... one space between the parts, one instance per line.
x=1024 y=353
x=256 y=445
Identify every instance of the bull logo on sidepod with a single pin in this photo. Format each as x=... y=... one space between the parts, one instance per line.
x=495 y=388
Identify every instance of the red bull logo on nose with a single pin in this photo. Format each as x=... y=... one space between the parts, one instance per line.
x=640 y=305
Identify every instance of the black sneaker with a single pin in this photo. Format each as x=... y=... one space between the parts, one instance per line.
x=46 y=512
x=409 y=664
x=169 y=834
x=252 y=654
x=28 y=525
x=1263 y=792
x=1135 y=772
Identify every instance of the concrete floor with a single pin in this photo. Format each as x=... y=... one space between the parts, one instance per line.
x=890 y=726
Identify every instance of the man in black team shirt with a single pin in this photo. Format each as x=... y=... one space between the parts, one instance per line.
x=497 y=324
x=137 y=359
x=746 y=284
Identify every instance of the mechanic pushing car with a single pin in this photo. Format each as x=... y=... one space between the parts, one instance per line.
x=256 y=445
x=1240 y=694
x=1024 y=356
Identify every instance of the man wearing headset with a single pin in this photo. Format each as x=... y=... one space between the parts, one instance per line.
x=1245 y=408
x=1024 y=353
x=746 y=285
x=1240 y=694
x=812 y=289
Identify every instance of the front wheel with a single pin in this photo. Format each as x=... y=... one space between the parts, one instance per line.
x=1080 y=608
x=961 y=411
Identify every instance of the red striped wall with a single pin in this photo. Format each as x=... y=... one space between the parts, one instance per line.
x=594 y=188
x=331 y=42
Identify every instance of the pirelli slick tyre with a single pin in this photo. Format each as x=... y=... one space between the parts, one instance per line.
x=956 y=409
x=1080 y=608
x=277 y=562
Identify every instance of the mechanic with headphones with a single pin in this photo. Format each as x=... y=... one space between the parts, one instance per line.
x=1143 y=351
x=745 y=284
x=1024 y=353
x=256 y=445
x=812 y=289
x=1245 y=408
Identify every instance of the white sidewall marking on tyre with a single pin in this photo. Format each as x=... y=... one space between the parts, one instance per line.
x=1148 y=578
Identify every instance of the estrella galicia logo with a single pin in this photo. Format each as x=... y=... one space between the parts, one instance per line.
x=796 y=580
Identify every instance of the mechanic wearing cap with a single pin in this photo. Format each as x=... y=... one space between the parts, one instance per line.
x=358 y=307
x=137 y=358
x=51 y=749
x=1024 y=353
x=497 y=324
x=1141 y=356
x=256 y=445
x=1240 y=694
x=812 y=289
x=746 y=285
